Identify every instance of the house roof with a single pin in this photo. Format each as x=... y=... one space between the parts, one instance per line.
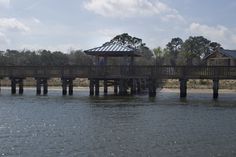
x=113 y=50
x=228 y=53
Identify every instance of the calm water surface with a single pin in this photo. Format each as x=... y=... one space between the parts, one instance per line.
x=56 y=126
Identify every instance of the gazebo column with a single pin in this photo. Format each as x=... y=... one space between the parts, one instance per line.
x=105 y=60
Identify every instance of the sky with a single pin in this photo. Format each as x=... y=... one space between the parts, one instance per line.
x=66 y=25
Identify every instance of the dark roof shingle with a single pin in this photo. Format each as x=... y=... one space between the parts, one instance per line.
x=229 y=53
x=113 y=49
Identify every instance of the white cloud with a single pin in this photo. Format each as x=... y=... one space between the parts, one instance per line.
x=171 y=17
x=13 y=24
x=4 y=3
x=109 y=33
x=215 y=32
x=36 y=20
x=4 y=41
x=129 y=8
x=218 y=33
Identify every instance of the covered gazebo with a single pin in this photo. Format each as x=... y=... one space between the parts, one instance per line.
x=112 y=49
x=102 y=54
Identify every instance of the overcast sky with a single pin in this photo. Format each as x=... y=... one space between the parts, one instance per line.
x=82 y=24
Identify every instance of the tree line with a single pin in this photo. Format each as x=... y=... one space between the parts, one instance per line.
x=43 y=58
x=189 y=52
x=177 y=52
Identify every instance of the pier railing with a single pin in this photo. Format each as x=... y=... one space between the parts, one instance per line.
x=158 y=72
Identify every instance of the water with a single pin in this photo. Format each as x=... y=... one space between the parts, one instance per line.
x=54 y=126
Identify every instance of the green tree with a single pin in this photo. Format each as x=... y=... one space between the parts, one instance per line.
x=214 y=46
x=173 y=49
x=194 y=49
x=159 y=55
x=59 y=58
x=126 y=39
x=78 y=57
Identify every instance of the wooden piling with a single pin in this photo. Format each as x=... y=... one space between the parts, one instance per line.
x=71 y=87
x=105 y=85
x=115 y=87
x=97 y=87
x=13 y=86
x=139 y=86
x=91 y=87
x=38 y=86
x=45 y=87
x=64 y=87
x=183 y=88
x=21 y=86
x=133 y=86
x=215 y=88
x=122 y=88
x=152 y=88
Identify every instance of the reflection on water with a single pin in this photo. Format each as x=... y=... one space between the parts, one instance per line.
x=80 y=125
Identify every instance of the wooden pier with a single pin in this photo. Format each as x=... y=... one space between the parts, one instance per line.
x=122 y=78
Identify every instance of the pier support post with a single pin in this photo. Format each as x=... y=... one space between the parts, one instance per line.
x=97 y=87
x=91 y=87
x=71 y=87
x=38 y=86
x=105 y=85
x=14 y=82
x=64 y=87
x=45 y=87
x=67 y=82
x=139 y=86
x=21 y=86
x=183 y=88
x=115 y=87
x=152 y=88
x=122 y=88
x=39 y=83
x=215 y=88
x=133 y=86
x=13 y=86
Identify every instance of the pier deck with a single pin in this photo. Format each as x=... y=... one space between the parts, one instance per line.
x=123 y=77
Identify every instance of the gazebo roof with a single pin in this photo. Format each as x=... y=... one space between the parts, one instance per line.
x=113 y=50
